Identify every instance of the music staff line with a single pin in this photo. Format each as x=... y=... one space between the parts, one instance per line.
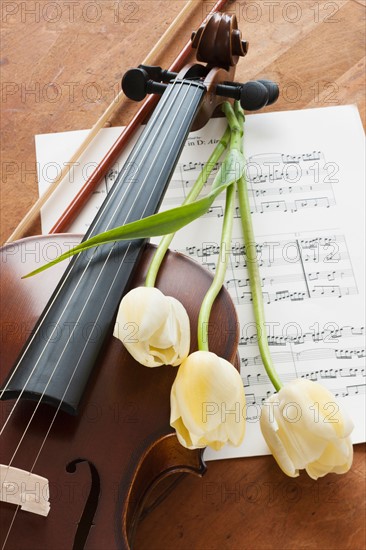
x=264 y=174
x=258 y=400
x=302 y=278
x=292 y=278
x=182 y=186
x=290 y=189
x=238 y=248
x=320 y=291
x=260 y=163
x=295 y=185
x=261 y=207
x=328 y=336
x=320 y=354
x=279 y=262
x=262 y=159
x=286 y=207
x=285 y=158
x=241 y=261
x=334 y=243
x=260 y=379
x=292 y=206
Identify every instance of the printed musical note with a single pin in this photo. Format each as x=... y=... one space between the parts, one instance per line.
x=286 y=295
x=293 y=283
x=272 y=206
x=192 y=166
x=316 y=354
x=259 y=379
x=330 y=335
x=288 y=190
x=294 y=206
x=215 y=211
x=354 y=390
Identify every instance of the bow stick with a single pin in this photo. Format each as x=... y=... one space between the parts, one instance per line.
x=119 y=145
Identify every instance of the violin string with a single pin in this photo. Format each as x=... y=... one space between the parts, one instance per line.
x=158 y=129
x=56 y=413
x=101 y=309
x=10 y=526
x=110 y=197
x=105 y=205
x=105 y=263
x=170 y=92
x=60 y=404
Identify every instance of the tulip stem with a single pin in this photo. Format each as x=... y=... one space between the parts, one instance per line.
x=225 y=244
x=221 y=267
x=253 y=271
x=192 y=195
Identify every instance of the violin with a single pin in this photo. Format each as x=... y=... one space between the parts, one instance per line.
x=85 y=431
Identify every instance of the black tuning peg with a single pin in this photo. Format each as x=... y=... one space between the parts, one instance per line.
x=253 y=95
x=158 y=74
x=146 y=79
x=273 y=90
x=136 y=84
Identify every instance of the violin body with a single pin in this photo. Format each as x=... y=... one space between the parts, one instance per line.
x=102 y=463
x=78 y=413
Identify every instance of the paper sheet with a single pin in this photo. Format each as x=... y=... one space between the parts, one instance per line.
x=306 y=182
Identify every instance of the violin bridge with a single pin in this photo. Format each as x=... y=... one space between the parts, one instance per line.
x=27 y=490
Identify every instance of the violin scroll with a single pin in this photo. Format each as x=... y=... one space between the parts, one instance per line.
x=218 y=42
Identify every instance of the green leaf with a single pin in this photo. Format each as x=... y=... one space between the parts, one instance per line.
x=230 y=170
x=152 y=226
x=162 y=223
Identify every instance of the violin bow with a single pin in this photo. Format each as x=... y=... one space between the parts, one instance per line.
x=120 y=143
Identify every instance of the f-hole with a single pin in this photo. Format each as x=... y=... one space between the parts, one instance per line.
x=91 y=505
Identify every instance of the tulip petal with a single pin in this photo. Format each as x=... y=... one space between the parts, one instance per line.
x=153 y=327
x=318 y=405
x=279 y=450
x=207 y=402
x=336 y=458
x=306 y=428
x=301 y=449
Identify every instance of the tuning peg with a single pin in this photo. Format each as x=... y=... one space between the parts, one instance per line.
x=158 y=74
x=253 y=95
x=136 y=84
x=273 y=90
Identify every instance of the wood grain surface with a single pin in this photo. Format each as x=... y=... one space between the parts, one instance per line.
x=61 y=65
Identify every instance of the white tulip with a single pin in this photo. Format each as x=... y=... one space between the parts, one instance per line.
x=153 y=327
x=305 y=428
x=207 y=402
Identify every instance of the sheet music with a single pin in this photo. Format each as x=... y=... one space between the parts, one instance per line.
x=305 y=172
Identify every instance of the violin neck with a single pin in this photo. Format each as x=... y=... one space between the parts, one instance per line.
x=82 y=309
x=142 y=182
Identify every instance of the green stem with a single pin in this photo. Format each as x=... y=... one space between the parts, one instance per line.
x=225 y=247
x=192 y=195
x=236 y=126
x=255 y=279
x=225 y=243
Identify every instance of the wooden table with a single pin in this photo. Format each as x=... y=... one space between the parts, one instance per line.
x=61 y=66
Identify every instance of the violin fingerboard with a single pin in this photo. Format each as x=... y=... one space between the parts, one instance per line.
x=57 y=360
